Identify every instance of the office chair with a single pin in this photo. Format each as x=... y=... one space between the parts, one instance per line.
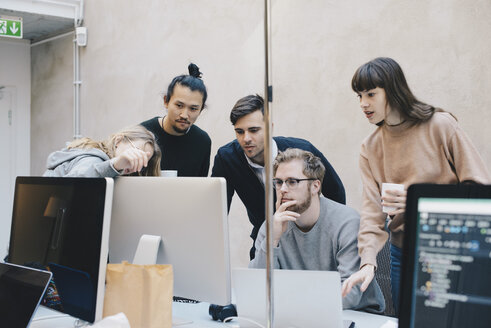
x=382 y=275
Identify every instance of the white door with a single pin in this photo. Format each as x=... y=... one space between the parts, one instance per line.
x=7 y=165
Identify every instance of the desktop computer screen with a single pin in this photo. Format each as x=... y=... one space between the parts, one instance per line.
x=190 y=215
x=62 y=225
x=446 y=276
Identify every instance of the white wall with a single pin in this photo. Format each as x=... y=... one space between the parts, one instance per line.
x=134 y=51
x=15 y=76
x=52 y=99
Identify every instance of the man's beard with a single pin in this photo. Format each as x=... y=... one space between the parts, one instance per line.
x=302 y=207
x=178 y=130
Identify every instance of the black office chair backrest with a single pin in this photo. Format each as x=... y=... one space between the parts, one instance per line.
x=382 y=275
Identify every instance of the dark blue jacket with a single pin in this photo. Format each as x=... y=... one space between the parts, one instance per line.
x=230 y=163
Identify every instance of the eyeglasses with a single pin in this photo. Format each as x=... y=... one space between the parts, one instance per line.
x=143 y=171
x=131 y=143
x=291 y=183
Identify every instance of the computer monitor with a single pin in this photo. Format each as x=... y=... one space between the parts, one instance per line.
x=62 y=224
x=190 y=215
x=446 y=267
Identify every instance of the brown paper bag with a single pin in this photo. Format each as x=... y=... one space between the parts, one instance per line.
x=142 y=292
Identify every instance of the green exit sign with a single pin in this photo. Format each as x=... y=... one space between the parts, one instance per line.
x=11 y=27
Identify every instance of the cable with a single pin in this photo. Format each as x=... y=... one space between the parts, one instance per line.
x=236 y=325
x=54 y=316
x=79 y=323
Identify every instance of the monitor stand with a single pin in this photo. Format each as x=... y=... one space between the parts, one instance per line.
x=147 y=250
x=146 y=254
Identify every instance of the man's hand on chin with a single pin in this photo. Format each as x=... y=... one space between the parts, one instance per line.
x=281 y=218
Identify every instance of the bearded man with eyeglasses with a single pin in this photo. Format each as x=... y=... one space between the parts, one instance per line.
x=311 y=232
x=241 y=162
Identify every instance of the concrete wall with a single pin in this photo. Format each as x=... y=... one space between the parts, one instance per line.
x=15 y=57
x=134 y=50
x=52 y=99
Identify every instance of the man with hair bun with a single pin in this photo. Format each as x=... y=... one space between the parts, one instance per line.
x=185 y=147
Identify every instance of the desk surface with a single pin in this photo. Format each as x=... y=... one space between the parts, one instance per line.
x=187 y=315
x=198 y=313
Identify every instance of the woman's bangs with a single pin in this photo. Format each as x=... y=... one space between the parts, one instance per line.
x=366 y=78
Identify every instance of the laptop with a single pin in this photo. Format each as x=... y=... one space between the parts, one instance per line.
x=446 y=266
x=21 y=291
x=301 y=298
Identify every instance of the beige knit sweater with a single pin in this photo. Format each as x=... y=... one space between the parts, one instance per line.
x=435 y=151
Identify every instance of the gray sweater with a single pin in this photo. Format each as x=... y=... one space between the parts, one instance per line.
x=80 y=163
x=331 y=245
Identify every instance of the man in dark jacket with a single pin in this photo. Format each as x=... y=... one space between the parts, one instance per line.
x=241 y=162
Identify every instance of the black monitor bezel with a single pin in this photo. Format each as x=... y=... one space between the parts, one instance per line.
x=409 y=251
x=98 y=183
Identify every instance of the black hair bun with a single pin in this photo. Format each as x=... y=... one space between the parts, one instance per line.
x=194 y=71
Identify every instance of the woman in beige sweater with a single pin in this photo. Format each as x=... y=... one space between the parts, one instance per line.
x=414 y=143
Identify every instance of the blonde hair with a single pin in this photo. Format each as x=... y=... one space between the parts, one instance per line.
x=312 y=165
x=132 y=133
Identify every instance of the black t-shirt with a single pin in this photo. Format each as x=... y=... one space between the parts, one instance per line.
x=189 y=154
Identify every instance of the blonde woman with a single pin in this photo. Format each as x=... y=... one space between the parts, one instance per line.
x=131 y=151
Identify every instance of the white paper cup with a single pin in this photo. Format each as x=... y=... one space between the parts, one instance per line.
x=390 y=186
x=168 y=173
